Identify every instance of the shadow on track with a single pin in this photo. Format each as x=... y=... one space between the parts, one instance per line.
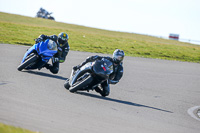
x=46 y=75
x=121 y=101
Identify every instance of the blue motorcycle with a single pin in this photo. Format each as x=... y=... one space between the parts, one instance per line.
x=38 y=55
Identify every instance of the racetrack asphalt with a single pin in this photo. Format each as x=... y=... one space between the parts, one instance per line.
x=153 y=96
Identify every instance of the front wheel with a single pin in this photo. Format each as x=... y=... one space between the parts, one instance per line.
x=80 y=84
x=66 y=84
x=27 y=62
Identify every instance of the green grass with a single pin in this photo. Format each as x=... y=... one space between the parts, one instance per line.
x=11 y=129
x=16 y=29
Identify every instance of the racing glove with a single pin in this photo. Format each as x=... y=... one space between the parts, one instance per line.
x=37 y=40
x=76 y=67
x=55 y=59
x=112 y=81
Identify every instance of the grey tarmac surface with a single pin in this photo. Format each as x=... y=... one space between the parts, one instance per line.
x=152 y=97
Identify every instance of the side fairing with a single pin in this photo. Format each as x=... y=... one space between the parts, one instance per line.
x=30 y=50
x=74 y=76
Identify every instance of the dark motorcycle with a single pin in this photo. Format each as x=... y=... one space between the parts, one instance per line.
x=45 y=15
x=50 y=17
x=89 y=76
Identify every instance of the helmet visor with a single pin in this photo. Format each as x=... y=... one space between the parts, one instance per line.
x=118 y=58
x=64 y=38
x=61 y=41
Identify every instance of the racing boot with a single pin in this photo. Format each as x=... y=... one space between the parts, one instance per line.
x=47 y=66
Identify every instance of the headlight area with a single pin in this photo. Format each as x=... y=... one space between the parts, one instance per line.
x=52 y=45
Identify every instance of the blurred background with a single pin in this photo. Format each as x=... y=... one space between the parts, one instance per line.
x=149 y=17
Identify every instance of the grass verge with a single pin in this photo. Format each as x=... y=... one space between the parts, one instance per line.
x=16 y=29
x=11 y=129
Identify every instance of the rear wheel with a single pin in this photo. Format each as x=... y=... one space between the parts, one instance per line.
x=27 y=62
x=51 y=18
x=81 y=84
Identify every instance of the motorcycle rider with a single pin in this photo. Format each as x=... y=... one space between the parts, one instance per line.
x=41 y=13
x=114 y=78
x=63 y=49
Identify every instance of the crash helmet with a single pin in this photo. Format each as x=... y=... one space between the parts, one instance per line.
x=118 y=56
x=62 y=38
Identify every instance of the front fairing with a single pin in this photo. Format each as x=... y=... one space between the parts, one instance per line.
x=76 y=74
x=43 y=49
x=45 y=52
x=29 y=51
x=99 y=70
x=103 y=68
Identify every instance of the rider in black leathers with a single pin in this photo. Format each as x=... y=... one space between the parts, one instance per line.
x=114 y=78
x=63 y=49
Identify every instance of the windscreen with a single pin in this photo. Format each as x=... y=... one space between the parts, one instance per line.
x=52 y=45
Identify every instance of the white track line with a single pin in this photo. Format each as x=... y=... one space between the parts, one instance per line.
x=191 y=112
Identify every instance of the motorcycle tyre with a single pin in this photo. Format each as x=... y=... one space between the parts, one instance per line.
x=27 y=62
x=66 y=84
x=81 y=84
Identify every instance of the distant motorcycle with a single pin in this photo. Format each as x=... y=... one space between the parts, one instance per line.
x=45 y=15
x=38 y=55
x=50 y=17
x=89 y=76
